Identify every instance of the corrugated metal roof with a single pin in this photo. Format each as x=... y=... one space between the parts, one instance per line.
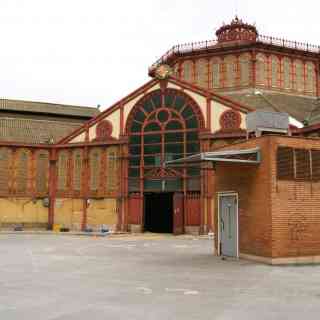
x=298 y=107
x=47 y=108
x=34 y=131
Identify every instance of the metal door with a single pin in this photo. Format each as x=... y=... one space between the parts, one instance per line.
x=178 y=213
x=228 y=225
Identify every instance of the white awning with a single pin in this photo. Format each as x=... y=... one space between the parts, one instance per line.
x=249 y=156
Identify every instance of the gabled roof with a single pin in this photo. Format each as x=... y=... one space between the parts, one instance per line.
x=23 y=106
x=184 y=85
x=34 y=131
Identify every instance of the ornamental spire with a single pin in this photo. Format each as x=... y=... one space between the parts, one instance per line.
x=237 y=30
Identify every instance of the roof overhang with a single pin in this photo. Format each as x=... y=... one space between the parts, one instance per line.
x=246 y=156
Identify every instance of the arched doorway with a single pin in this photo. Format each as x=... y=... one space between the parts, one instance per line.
x=164 y=125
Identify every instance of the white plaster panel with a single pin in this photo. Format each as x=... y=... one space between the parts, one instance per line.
x=216 y=111
x=92 y=132
x=201 y=101
x=173 y=86
x=155 y=87
x=79 y=138
x=129 y=106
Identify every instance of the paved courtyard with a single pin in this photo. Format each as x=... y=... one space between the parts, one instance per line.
x=46 y=277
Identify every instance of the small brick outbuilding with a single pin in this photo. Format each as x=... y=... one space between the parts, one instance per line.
x=270 y=212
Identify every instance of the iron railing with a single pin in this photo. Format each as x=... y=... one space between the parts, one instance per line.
x=205 y=45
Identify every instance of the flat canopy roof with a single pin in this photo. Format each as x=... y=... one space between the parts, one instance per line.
x=249 y=156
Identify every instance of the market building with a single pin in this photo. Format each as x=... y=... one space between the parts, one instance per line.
x=122 y=168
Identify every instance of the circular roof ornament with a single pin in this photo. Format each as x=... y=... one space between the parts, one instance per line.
x=164 y=71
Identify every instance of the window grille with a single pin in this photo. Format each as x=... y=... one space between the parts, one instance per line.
x=95 y=168
x=42 y=169
x=285 y=163
x=77 y=170
x=22 y=171
x=62 y=170
x=5 y=157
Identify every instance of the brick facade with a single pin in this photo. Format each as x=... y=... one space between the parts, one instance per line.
x=277 y=218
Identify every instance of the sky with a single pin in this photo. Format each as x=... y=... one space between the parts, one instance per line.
x=90 y=52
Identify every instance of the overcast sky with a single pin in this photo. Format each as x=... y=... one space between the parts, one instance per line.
x=90 y=52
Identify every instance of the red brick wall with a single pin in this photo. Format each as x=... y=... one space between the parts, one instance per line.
x=252 y=183
x=295 y=208
x=277 y=218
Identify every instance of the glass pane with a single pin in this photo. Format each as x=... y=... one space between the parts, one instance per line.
x=179 y=103
x=135 y=150
x=192 y=123
x=152 y=149
x=193 y=148
x=134 y=172
x=135 y=140
x=192 y=136
x=140 y=116
x=157 y=100
x=173 y=185
x=136 y=126
x=174 y=125
x=174 y=137
x=153 y=184
x=174 y=148
x=168 y=100
x=163 y=116
x=187 y=112
x=150 y=160
x=134 y=161
x=148 y=107
x=152 y=127
x=152 y=138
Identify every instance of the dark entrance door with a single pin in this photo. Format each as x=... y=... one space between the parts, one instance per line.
x=158 y=212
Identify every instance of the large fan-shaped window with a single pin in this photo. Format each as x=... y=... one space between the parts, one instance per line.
x=162 y=127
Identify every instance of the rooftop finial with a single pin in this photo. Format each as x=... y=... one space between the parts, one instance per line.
x=237 y=30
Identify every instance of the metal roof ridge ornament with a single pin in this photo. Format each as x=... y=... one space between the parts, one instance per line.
x=163 y=71
x=237 y=30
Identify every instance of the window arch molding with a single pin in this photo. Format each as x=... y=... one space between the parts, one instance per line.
x=159 y=100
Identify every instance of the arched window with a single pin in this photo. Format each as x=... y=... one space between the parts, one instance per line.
x=230 y=74
x=287 y=79
x=275 y=71
x=245 y=69
x=202 y=73
x=22 y=171
x=310 y=78
x=162 y=126
x=299 y=68
x=77 y=169
x=42 y=171
x=95 y=167
x=261 y=69
x=215 y=65
x=187 y=71
x=62 y=170
x=5 y=158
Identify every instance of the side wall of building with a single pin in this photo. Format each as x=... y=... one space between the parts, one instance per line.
x=295 y=205
x=252 y=184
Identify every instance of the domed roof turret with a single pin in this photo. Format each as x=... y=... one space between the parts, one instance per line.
x=237 y=30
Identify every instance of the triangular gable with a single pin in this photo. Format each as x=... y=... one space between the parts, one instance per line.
x=80 y=132
x=117 y=117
